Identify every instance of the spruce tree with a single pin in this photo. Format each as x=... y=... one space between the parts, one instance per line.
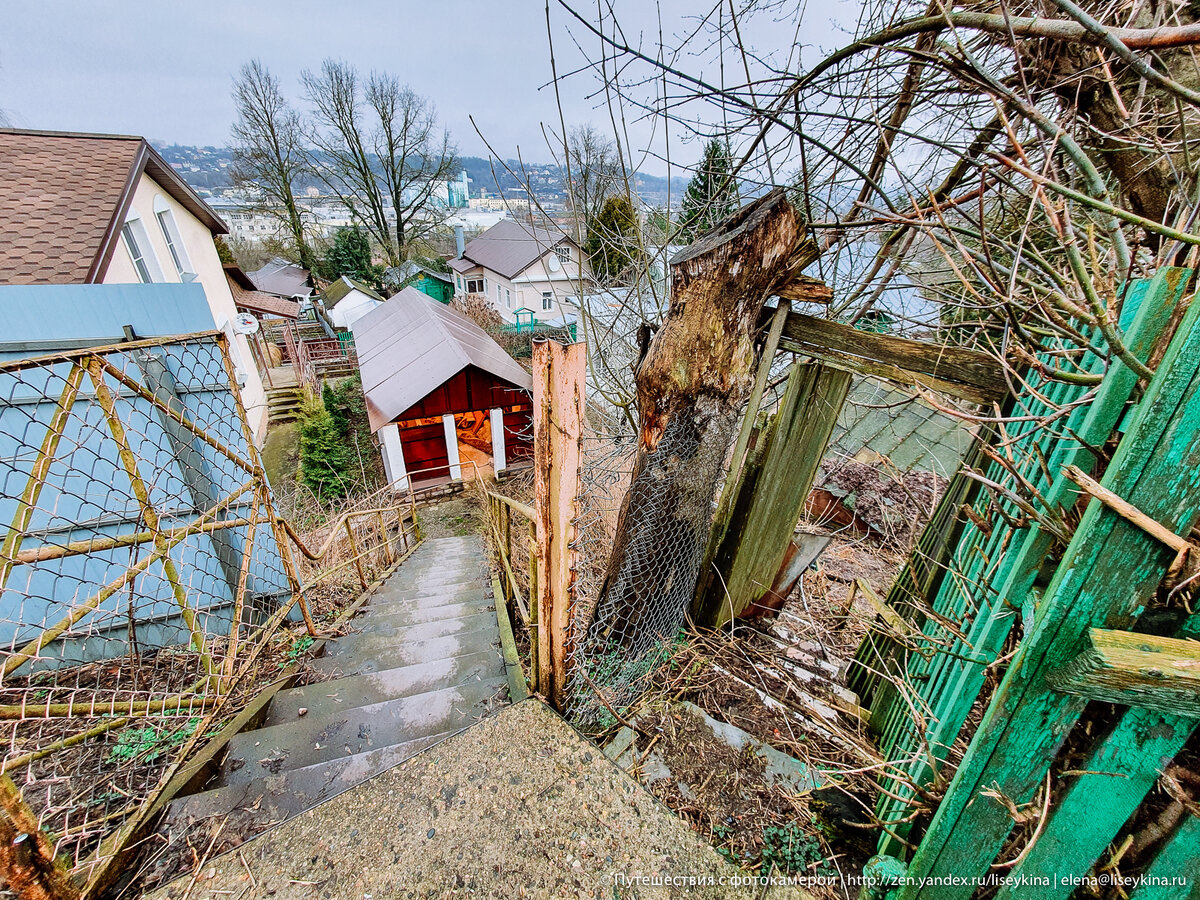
x=350 y=255
x=324 y=457
x=711 y=194
x=614 y=239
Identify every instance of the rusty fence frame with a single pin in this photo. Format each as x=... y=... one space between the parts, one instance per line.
x=377 y=538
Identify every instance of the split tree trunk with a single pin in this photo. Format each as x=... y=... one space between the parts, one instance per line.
x=692 y=382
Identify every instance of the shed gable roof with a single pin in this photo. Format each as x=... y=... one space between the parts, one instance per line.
x=411 y=345
x=283 y=278
x=64 y=198
x=337 y=292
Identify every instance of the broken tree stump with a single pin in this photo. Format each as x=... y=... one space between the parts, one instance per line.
x=691 y=384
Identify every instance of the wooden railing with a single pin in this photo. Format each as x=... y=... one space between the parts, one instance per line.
x=500 y=511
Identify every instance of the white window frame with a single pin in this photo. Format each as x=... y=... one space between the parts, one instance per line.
x=508 y=298
x=476 y=285
x=141 y=252
x=170 y=232
x=547 y=300
x=563 y=251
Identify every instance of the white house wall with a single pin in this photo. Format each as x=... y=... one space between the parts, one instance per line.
x=527 y=287
x=202 y=254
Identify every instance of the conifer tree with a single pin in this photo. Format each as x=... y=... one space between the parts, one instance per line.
x=711 y=194
x=614 y=239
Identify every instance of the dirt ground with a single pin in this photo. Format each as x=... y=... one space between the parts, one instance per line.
x=519 y=805
x=455 y=517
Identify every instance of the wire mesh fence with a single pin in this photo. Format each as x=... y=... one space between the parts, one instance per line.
x=142 y=569
x=624 y=625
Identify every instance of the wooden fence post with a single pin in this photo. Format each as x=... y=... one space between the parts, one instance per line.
x=762 y=516
x=558 y=402
x=535 y=630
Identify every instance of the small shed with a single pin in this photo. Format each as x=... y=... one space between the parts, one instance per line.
x=347 y=301
x=441 y=394
x=438 y=285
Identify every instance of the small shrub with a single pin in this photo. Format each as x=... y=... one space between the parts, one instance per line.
x=149 y=742
x=324 y=457
x=791 y=850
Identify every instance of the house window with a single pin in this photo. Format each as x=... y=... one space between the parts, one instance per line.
x=564 y=253
x=497 y=295
x=508 y=298
x=474 y=285
x=134 y=242
x=547 y=300
x=166 y=221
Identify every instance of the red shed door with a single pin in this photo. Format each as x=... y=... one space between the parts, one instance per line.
x=425 y=454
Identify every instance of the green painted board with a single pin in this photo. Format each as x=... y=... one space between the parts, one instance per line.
x=1006 y=573
x=1175 y=872
x=1118 y=774
x=1107 y=570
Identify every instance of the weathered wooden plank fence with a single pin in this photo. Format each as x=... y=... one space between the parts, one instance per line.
x=976 y=574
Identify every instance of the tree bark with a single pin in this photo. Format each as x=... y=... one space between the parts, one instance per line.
x=691 y=384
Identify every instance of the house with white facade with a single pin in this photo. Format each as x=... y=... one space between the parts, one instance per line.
x=346 y=301
x=522 y=268
x=108 y=209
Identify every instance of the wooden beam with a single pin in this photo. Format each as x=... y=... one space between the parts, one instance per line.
x=517 y=688
x=1131 y=669
x=763 y=516
x=967 y=374
x=558 y=397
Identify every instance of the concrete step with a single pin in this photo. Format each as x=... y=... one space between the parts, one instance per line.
x=427 y=608
x=377 y=632
x=429 y=611
x=426 y=585
x=378 y=639
x=375 y=659
x=311 y=740
x=323 y=699
x=274 y=798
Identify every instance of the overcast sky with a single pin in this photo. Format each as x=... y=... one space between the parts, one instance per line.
x=164 y=69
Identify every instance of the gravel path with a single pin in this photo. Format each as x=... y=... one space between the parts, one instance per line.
x=519 y=805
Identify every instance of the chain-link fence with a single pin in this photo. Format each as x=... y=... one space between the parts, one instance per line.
x=141 y=571
x=624 y=624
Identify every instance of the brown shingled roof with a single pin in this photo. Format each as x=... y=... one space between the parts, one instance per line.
x=250 y=300
x=64 y=196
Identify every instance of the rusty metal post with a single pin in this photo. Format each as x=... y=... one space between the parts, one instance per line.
x=558 y=399
x=354 y=552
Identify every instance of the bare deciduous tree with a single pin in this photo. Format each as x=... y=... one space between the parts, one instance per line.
x=593 y=173
x=380 y=151
x=269 y=151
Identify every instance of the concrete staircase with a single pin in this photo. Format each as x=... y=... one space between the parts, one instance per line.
x=422 y=663
x=283 y=404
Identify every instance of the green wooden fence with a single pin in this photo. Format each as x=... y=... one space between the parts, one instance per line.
x=1008 y=564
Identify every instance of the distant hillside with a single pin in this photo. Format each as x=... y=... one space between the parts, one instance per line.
x=210 y=169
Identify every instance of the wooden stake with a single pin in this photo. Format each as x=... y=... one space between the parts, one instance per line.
x=558 y=400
